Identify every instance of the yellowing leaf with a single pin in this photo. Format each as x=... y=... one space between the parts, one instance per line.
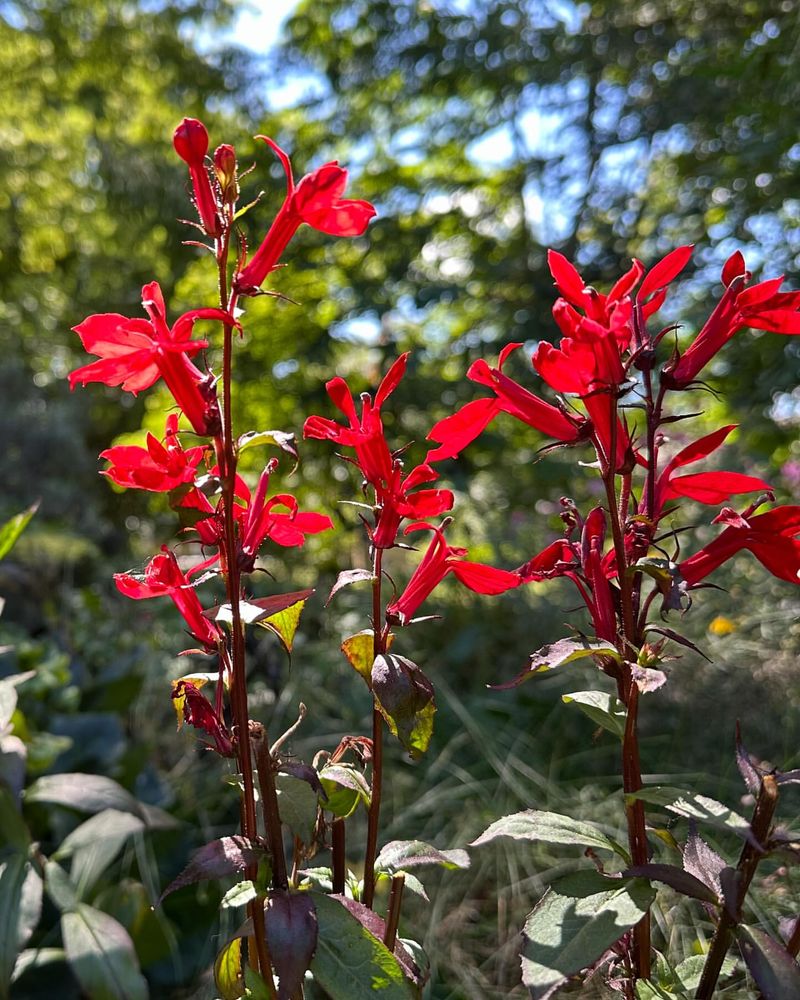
x=359 y=650
x=228 y=973
x=284 y=624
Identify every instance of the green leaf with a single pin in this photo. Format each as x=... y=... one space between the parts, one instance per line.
x=350 y=962
x=95 y=843
x=13 y=528
x=256 y=986
x=558 y=654
x=345 y=787
x=239 y=895
x=284 y=624
x=690 y=971
x=360 y=652
x=550 y=828
x=85 y=792
x=297 y=805
x=398 y=855
x=13 y=831
x=8 y=696
x=577 y=919
x=691 y=806
x=255 y=611
x=676 y=878
x=404 y=697
x=101 y=955
x=603 y=709
x=20 y=907
x=285 y=440
x=228 y=974
x=59 y=887
x=775 y=971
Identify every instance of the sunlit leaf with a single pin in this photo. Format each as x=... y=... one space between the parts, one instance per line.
x=13 y=528
x=101 y=955
x=558 y=654
x=549 y=828
x=228 y=973
x=603 y=709
x=404 y=696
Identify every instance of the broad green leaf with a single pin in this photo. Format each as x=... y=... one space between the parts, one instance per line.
x=698 y=807
x=350 y=962
x=95 y=843
x=13 y=528
x=239 y=895
x=59 y=887
x=576 y=920
x=603 y=709
x=20 y=907
x=13 y=830
x=228 y=973
x=404 y=697
x=558 y=654
x=85 y=792
x=345 y=787
x=297 y=805
x=256 y=986
x=690 y=970
x=398 y=855
x=776 y=972
x=101 y=955
x=550 y=828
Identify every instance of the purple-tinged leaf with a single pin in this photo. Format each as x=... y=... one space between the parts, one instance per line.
x=676 y=878
x=304 y=772
x=677 y=637
x=701 y=861
x=404 y=697
x=789 y=777
x=220 y=858
x=257 y=610
x=669 y=581
x=346 y=577
x=750 y=772
x=398 y=855
x=788 y=927
x=291 y=925
x=376 y=925
x=557 y=654
x=647 y=679
x=775 y=971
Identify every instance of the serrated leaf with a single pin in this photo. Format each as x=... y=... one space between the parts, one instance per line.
x=348 y=577
x=20 y=907
x=558 y=654
x=101 y=955
x=775 y=971
x=376 y=925
x=350 y=962
x=676 y=878
x=398 y=855
x=228 y=974
x=239 y=894
x=303 y=772
x=698 y=807
x=701 y=861
x=345 y=787
x=603 y=709
x=297 y=805
x=291 y=925
x=217 y=859
x=13 y=528
x=549 y=828
x=404 y=697
x=576 y=920
x=285 y=440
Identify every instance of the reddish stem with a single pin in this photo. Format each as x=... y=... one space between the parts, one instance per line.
x=378 y=648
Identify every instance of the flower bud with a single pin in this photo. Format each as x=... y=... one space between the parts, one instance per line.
x=225 y=170
x=190 y=140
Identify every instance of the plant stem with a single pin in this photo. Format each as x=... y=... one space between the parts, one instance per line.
x=378 y=648
x=746 y=868
x=393 y=912
x=269 y=804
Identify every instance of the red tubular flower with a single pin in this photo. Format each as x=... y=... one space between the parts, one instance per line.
x=160 y=467
x=396 y=501
x=364 y=434
x=454 y=433
x=439 y=560
x=704 y=487
x=601 y=605
x=556 y=559
x=761 y=306
x=200 y=714
x=190 y=140
x=134 y=353
x=164 y=578
x=317 y=201
x=772 y=537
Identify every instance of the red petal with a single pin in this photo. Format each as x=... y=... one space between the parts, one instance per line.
x=776 y=320
x=665 y=271
x=342 y=399
x=627 y=281
x=344 y=218
x=454 y=433
x=567 y=280
x=714 y=487
x=485 y=579
x=734 y=266
x=701 y=448
x=391 y=380
x=286 y=162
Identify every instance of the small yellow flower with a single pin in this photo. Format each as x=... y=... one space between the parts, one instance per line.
x=722 y=626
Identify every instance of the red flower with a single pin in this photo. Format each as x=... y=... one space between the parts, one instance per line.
x=160 y=467
x=190 y=140
x=704 y=487
x=164 y=578
x=396 y=501
x=134 y=353
x=772 y=537
x=439 y=560
x=199 y=712
x=364 y=434
x=317 y=201
x=454 y=433
x=761 y=306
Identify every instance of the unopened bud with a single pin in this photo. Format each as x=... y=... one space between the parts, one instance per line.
x=190 y=140
x=225 y=171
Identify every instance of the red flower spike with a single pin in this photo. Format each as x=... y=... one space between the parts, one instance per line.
x=164 y=578
x=439 y=560
x=135 y=353
x=190 y=140
x=772 y=537
x=200 y=714
x=317 y=201
x=160 y=467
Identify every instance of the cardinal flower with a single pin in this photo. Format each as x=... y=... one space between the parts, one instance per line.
x=160 y=467
x=317 y=201
x=135 y=353
x=439 y=560
x=454 y=433
x=772 y=537
x=190 y=140
x=364 y=433
x=396 y=501
x=164 y=578
x=762 y=306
